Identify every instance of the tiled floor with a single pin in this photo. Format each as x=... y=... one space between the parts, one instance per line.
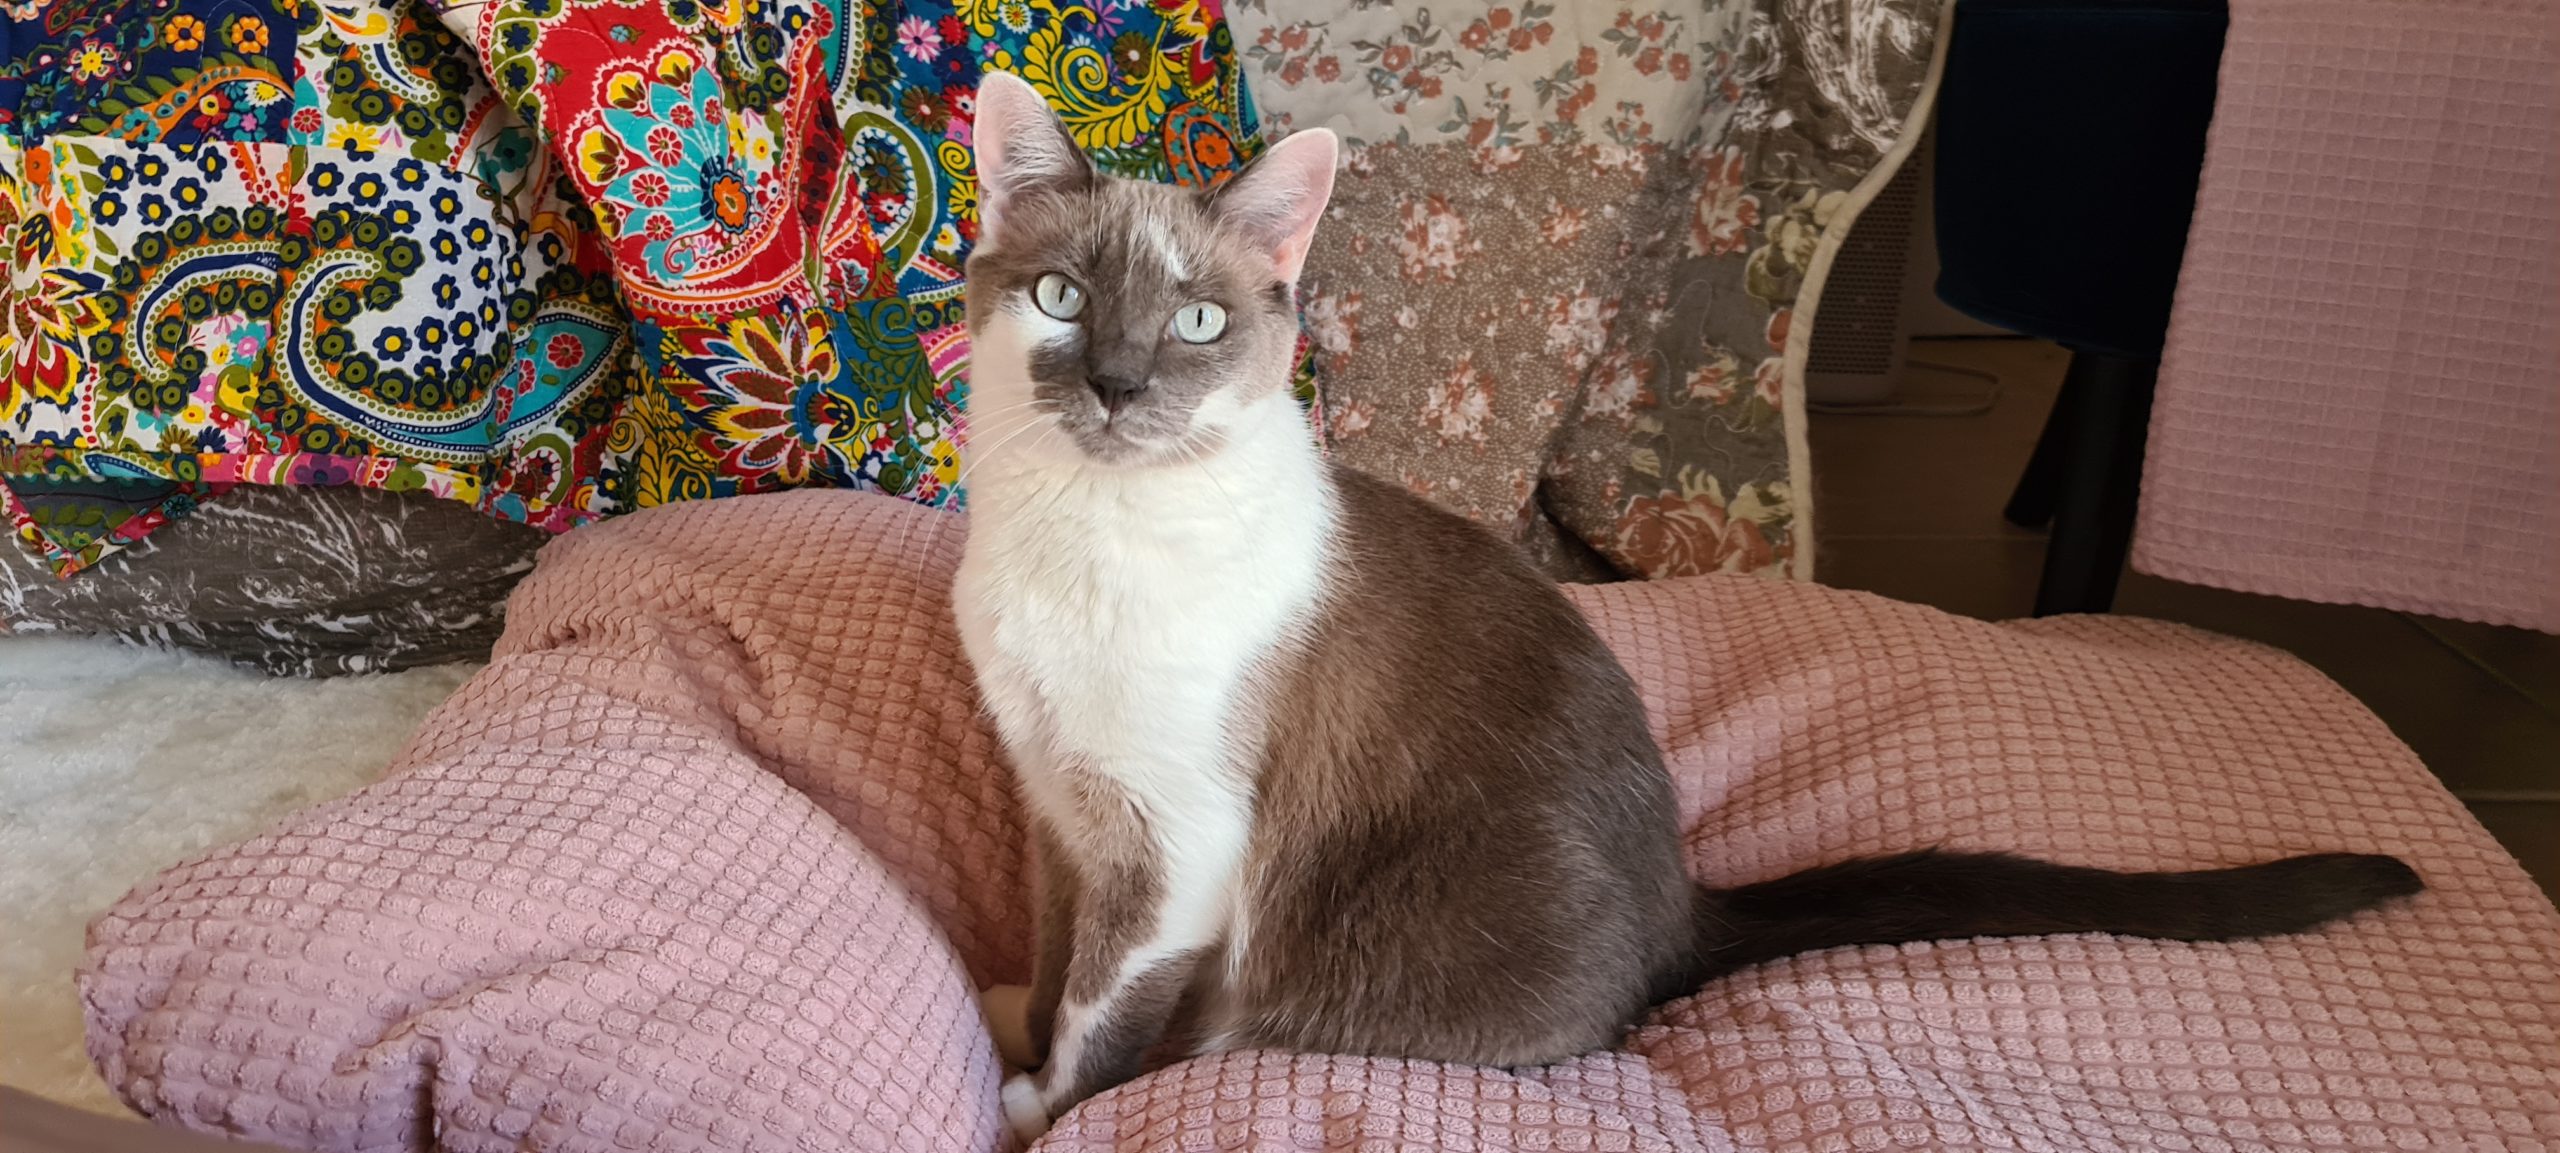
x=1909 y=506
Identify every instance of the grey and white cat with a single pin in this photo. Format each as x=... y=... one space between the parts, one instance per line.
x=1311 y=764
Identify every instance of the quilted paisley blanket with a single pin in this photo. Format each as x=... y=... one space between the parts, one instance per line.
x=554 y=258
x=564 y=258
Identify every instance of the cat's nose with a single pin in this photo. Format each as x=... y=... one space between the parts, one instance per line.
x=1115 y=391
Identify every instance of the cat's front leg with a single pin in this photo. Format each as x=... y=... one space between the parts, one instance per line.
x=1054 y=887
x=1142 y=922
x=1100 y=1040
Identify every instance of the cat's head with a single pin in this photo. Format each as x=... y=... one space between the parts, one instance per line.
x=1146 y=320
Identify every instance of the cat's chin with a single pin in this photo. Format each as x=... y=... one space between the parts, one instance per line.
x=1112 y=447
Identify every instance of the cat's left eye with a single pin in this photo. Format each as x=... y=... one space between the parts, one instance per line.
x=1058 y=296
x=1200 y=322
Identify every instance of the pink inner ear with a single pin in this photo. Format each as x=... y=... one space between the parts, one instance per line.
x=1018 y=142
x=1281 y=199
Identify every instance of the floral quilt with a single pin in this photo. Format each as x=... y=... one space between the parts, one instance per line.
x=1563 y=287
x=552 y=258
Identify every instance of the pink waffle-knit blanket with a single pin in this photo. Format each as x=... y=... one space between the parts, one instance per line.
x=716 y=851
x=2360 y=398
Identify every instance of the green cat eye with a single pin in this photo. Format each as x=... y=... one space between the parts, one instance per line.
x=1058 y=296
x=1200 y=322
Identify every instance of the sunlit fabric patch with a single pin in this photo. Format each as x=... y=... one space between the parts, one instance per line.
x=553 y=258
x=300 y=243
x=786 y=190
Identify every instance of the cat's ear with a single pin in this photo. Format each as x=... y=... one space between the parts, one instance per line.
x=1275 y=202
x=1022 y=148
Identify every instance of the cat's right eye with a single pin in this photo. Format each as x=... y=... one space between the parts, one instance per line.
x=1058 y=296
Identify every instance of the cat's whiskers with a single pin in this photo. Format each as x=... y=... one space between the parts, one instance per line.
x=943 y=516
x=907 y=534
x=970 y=420
x=1042 y=439
x=1044 y=415
x=932 y=539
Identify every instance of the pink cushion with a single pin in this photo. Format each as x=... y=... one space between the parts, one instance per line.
x=715 y=853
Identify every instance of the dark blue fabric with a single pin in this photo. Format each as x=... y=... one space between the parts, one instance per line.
x=2069 y=137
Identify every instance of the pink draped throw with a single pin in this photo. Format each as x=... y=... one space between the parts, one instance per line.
x=2360 y=398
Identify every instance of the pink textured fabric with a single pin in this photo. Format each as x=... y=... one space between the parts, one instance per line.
x=2360 y=398
x=714 y=853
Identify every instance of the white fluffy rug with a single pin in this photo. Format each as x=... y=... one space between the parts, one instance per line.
x=118 y=762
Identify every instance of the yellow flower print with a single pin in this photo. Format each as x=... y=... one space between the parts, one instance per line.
x=352 y=135
x=248 y=34
x=93 y=61
x=238 y=391
x=626 y=89
x=599 y=155
x=748 y=138
x=1189 y=19
x=185 y=32
x=942 y=465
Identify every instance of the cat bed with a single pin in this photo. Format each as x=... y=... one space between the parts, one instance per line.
x=716 y=853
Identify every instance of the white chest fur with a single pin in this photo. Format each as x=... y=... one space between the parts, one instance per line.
x=1116 y=619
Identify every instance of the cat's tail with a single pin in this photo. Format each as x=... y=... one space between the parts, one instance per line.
x=1932 y=895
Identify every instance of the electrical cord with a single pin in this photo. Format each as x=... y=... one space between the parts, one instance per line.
x=1989 y=399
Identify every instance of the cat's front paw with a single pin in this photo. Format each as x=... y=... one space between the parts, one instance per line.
x=1022 y=1108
